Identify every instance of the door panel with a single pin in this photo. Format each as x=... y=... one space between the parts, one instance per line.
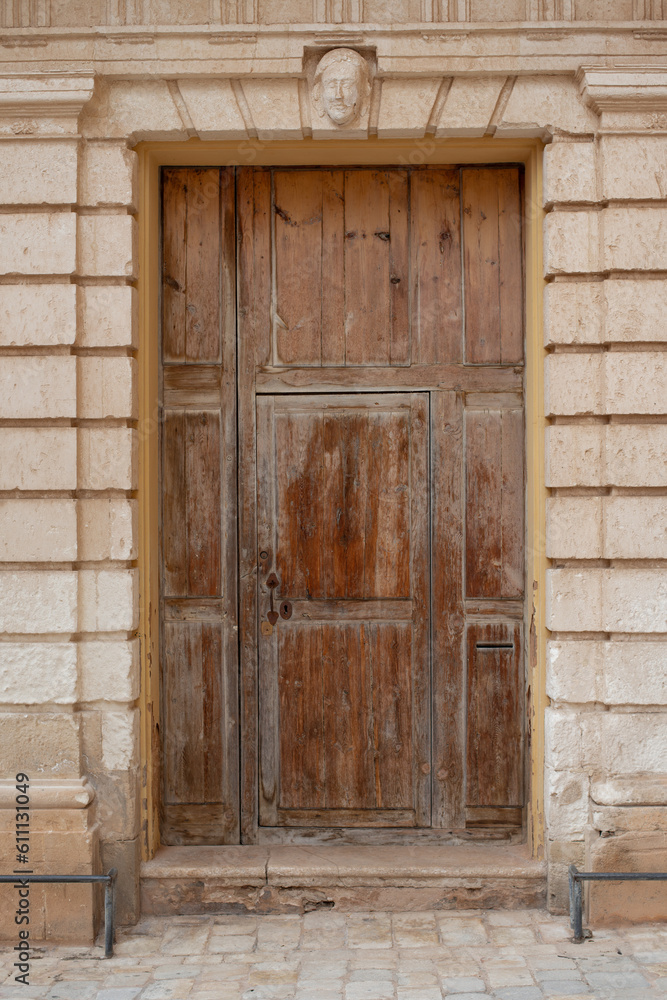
x=198 y=497
x=344 y=694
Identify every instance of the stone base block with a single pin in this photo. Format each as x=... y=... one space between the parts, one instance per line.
x=293 y=879
x=562 y=854
x=62 y=842
x=617 y=903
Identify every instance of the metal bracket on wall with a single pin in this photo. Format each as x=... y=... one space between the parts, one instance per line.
x=577 y=879
x=109 y=881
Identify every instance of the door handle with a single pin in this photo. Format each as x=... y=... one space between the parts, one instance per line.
x=285 y=607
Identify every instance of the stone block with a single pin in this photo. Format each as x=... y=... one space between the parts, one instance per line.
x=274 y=106
x=37 y=531
x=109 y=670
x=107 y=529
x=605 y=742
x=107 y=388
x=107 y=246
x=213 y=108
x=635 y=455
x=619 y=819
x=38 y=243
x=574 y=455
x=542 y=105
x=635 y=528
x=108 y=175
x=108 y=600
x=38 y=173
x=566 y=803
x=570 y=172
x=38 y=601
x=571 y=243
x=44 y=744
x=560 y=855
x=125 y=856
x=634 y=166
x=36 y=458
x=574 y=527
x=107 y=316
x=469 y=105
x=574 y=384
x=634 y=238
x=405 y=106
x=636 y=382
x=120 y=739
x=618 y=903
x=118 y=797
x=574 y=600
x=39 y=315
x=606 y=600
x=574 y=313
x=37 y=387
x=34 y=673
x=636 y=310
x=606 y=455
x=636 y=789
x=107 y=458
x=610 y=673
x=132 y=110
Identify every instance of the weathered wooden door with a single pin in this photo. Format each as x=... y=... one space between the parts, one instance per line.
x=379 y=318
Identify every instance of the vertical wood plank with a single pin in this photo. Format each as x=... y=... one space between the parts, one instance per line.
x=301 y=686
x=333 y=267
x=495 y=718
x=367 y=268
x=202 y=521
x=448 y=613
x=494 y=503
x=203 y=287
x=174 y=581
x=399 y=267
x=254 y=299
x=493 y=269
x=436 y=266
x=297 y=312
x=173 y=265
x=483 y=503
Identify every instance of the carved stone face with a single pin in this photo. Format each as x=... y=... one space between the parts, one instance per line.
x=341 y=90
x=342 y=86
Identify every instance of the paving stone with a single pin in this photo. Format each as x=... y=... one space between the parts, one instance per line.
x=463 y=984
x=168 y=989
x=369 y=991
x=617 y=980
x=520 y=993
x=119 y=993
x=73 y=990
x=564 y=988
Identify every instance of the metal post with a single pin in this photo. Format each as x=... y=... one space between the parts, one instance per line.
x=110 y=913
x=578 y=926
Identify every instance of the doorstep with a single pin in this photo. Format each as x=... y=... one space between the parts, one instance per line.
x=296 y=879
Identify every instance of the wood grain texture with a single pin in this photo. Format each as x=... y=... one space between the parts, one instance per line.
x=449 y=722
x=351 y=695
x=494 y=504
x=495 y=716
x=198 y=534
x=493 y=265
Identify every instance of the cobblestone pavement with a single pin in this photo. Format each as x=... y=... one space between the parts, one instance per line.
x=508 y=955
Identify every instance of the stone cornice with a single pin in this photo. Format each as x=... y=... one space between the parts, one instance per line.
x=624 y=89
x=42 y=103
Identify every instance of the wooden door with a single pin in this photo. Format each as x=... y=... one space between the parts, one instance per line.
x=344 y=699
x=380 y=347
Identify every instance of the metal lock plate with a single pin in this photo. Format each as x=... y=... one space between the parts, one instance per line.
x=266 y=628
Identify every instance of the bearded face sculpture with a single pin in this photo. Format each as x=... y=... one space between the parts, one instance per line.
x=342 y=86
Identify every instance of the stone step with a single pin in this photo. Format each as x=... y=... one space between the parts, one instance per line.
x=295 y=879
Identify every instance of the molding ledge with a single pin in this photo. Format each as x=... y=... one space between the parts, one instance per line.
x=43 y=103
x=68 y=793
x=622 y=89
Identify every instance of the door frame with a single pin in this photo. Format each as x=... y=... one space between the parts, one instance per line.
x=371 y=152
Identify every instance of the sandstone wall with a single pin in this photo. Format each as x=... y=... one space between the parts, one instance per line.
x=71 y=110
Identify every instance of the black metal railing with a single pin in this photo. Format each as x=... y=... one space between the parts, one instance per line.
x=577 y=879
x=109 y=882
